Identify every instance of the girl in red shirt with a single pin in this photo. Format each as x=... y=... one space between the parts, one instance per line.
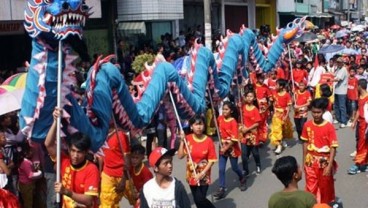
x=203 y=155
x=262 y=93
x=249 y=129
x=299 y=74
x=281 y=125
x=229 y=148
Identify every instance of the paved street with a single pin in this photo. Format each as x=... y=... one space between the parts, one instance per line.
x=351 y=189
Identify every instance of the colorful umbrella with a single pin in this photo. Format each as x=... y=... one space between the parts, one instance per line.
x=6 y=88
x=10 y=99
x=17 y=80
x=330 y=49
x=335 y=27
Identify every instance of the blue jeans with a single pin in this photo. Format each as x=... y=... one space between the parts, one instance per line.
x=352 y=105
x=340 y=109
x=246 y=150
x=222 y=168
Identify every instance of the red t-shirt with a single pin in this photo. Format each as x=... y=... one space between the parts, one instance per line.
x=251 y=116
x=361 y=102
x=262 y=91
x=282 y=100
x=114 y=158
x=280 y=73
x=327 y=78
x=352 y=88
x=302 y=98
x=141 y=177
x=202 y=152
x=299 y=75
x=229 y=132
x=320 y=137
x=253 y=77
x=84 y=180
x=272 y=85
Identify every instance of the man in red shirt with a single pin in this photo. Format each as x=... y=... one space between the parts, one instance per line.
x=319 y=150
x=352 y=94
x=359 y=122
x=116 y=162
x=80 y=178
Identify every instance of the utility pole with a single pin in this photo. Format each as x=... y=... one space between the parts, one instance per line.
x=348 y=11
x=207 y=24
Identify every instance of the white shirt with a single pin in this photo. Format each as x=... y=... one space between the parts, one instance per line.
x=158 y=197
x=327 y=116
x=315 y=75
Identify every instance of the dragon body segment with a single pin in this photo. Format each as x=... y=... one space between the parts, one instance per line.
x=107 y=93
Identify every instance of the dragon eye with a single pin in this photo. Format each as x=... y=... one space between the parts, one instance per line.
x=48 y=1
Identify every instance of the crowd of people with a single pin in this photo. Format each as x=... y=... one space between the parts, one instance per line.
x=330 y=86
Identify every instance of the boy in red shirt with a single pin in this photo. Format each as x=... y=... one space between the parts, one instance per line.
x=352 y=95
x=80 y=178
x=262 y=95
x=113 y=176
x=319 y=150
x=302 y=101
x=359 y=122
x=281 y=126
x=249 y=130
x=139 y=172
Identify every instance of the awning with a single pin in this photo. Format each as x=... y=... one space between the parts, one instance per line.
x=320 y=15
x=132 y=27
x=335 y=12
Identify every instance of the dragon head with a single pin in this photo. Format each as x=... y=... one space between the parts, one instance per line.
x=55 y=19
x=294 y=29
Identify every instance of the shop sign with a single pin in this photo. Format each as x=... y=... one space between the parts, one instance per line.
x=11 y=28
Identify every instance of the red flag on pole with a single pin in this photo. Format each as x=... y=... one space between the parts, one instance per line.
x=316 y=62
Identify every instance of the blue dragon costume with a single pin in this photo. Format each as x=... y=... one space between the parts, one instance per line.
x=107 y=94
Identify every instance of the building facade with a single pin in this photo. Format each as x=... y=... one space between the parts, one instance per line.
x=16 y=44
x=230 y=14
x=149 y=18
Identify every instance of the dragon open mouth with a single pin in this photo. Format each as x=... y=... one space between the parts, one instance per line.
x=66 y=23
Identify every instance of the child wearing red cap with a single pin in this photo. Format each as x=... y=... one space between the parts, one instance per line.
x=163 y=190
